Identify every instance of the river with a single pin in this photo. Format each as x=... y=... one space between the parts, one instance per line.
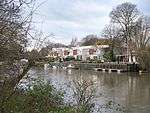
x=130 y=90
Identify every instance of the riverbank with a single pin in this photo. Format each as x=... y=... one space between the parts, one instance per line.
x=113 y=66
x=127 y=89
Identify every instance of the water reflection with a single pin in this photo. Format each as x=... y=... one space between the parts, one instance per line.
x=128 y=89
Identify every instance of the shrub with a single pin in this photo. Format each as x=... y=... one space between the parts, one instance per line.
x=144 y=58
x=41 y=97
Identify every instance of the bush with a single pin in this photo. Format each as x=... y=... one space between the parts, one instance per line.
x=69 y=58
x=39 y=98
x=144 y=58
x=109 y=56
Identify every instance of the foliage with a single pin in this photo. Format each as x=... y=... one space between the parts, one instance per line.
x=40 y=97
x=69 y=58
x=104 y=41
x=63 y=110
x=144 y=58
x=109 y=56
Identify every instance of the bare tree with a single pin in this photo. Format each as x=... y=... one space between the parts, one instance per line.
x=14 y=32
x=84 y=93
x=125 y=15
x=141 y=32
x=113 y=34
x=141 y=41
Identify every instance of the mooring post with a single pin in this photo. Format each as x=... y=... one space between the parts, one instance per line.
x=109 y=70
x=118 y=71
x=103 y=70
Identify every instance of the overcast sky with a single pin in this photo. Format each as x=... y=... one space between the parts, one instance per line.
x=77 y=18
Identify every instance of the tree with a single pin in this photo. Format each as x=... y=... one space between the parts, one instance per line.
x=125 y=15
x=141 y=41
x=84 y=93
x=141 y=32
x=103 y=41
x=44 y=52
x=13 y=37
x=14 y=32
x=51 y=45
x=89 y=40
x=113 y=34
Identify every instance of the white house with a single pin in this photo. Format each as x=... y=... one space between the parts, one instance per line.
x=80 y=52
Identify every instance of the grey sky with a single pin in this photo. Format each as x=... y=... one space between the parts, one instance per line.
x=78 y=18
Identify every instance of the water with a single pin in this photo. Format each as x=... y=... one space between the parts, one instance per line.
x=128 y=89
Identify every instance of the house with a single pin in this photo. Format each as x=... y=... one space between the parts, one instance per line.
x=125 y=56
x=91 y=53
x=80 y=52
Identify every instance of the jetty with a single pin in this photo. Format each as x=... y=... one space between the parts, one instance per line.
x=105 y=67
